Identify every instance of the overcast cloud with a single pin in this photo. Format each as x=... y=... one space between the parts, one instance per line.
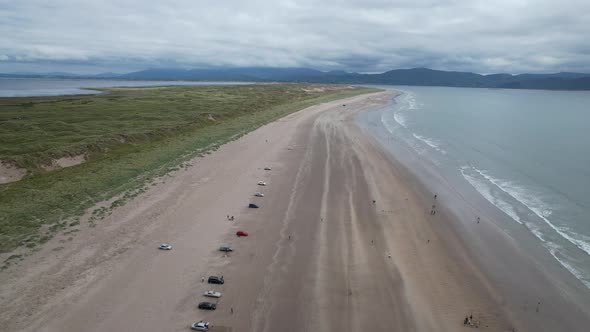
x=488 y=36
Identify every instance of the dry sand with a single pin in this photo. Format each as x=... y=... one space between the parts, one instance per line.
x=321 y=256
x=10 y=173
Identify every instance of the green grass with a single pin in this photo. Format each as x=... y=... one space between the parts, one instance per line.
x=130 y=136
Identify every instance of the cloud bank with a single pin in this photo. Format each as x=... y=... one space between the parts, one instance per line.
x=512 y=36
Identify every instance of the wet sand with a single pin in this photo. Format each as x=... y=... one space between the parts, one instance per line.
x=321 y=255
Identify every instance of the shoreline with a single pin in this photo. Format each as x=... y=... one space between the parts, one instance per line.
x=497 y=245
x=343 y=240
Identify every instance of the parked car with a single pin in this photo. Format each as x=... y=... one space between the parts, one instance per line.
x=253 y=206
x=211 y=293
x=200 y=326
x=261 y=183
x=226 y=248
x=216 y=280
x=207 y=306
x=267 y=168
x=258 y=194
x=165 y=246
x=241 y=233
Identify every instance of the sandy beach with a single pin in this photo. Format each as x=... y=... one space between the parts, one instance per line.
x=344 y=240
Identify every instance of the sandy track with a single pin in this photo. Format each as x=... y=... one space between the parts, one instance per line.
x=318 y=258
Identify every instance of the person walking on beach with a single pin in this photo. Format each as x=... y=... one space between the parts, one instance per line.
x=435 y=197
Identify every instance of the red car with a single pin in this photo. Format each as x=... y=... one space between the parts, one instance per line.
x=241 y=233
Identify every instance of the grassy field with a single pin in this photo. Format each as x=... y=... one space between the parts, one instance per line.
x=129 y=136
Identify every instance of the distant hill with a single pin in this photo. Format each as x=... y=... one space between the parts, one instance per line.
x=414 y=76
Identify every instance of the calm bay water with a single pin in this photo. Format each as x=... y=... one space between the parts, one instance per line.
x=28 y=87
x=526 y=152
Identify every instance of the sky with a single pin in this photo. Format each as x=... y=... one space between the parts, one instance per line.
x=491 y=36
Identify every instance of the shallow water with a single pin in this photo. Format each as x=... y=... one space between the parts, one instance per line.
x=527 y=152
x=29 y=87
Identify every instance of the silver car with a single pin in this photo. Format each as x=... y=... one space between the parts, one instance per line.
x=211 y=293
x=165 y=246
x=200 y=326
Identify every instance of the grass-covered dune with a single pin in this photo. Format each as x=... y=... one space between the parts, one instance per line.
x=127 y=136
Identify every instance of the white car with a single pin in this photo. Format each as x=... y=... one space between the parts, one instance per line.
x=267 y=168
x=261 y=183
x=259 y=194
x=200 y=326
x=211 y=293
x=165 y=246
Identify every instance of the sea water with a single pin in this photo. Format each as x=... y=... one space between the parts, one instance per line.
x=527 y=152
x=29 y=87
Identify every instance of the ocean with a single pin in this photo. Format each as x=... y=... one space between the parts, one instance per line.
x=525 y=152
x=29 y=87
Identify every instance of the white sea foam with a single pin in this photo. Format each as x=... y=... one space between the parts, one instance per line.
x=406 y=102
x=580 y=275
x=387 y=123
x=486 y=192
x=399 y=118
x=430 y=142
x=538 y=207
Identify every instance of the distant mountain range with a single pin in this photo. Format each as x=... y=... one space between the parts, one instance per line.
x=415 y=76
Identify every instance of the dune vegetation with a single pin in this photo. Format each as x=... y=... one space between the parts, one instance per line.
x=127 y=137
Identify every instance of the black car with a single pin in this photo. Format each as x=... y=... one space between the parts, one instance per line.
x=215 y=280
x=226 y=248
x=207 y=306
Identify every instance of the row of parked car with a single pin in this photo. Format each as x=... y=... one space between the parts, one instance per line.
x=204 y=325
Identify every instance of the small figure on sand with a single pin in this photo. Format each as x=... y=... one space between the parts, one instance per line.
x=232 y=218
x=289 y=237
x=202 y=279
x=478 y=220
x=435 y=196
x=228 y=217
x=374 y=201
x=231 y=310
x=468 y=321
